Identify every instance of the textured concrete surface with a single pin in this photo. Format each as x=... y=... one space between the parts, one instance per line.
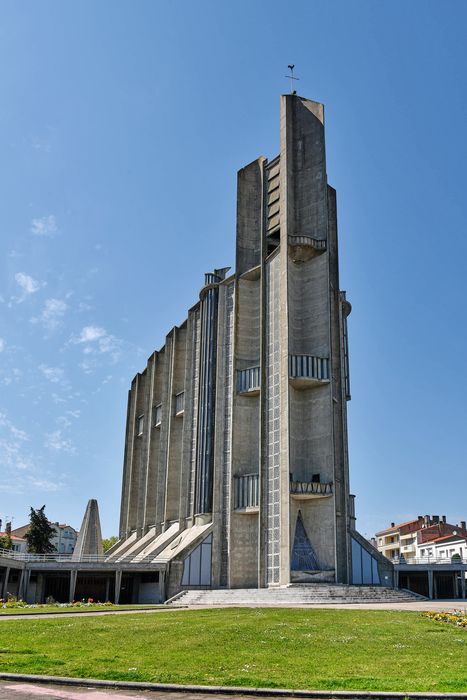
x=97 y=690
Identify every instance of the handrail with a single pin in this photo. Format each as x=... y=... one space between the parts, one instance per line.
x=70 y=558
x=451 y=561
x=310 y=487
x=248 y=379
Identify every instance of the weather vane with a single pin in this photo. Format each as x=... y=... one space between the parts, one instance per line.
x=292 y=78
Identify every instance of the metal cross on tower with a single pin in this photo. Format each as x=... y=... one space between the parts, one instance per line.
x=292 y=78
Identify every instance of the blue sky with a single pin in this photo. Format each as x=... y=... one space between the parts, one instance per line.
x=122 y=127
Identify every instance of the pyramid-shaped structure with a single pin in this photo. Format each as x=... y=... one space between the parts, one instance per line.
x=89 y=541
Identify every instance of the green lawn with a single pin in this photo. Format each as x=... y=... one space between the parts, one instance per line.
x=57 y=610
x=288 y=648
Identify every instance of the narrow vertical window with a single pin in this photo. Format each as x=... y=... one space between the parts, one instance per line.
x=157 y=415
x=139 y=425
x=179 y=403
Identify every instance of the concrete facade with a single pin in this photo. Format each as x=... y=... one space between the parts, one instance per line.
x=236 y=436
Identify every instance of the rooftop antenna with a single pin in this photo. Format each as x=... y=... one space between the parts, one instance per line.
x=292 y=78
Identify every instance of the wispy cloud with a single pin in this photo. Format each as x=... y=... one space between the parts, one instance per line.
x=53 y=374
x=52 y=314
x=57 y=442
x=2 y=345
x=95 y=341
x=27 y=283
x=8 y=376
x=45 y=226
x=15 y=457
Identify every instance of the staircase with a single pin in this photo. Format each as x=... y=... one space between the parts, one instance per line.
x=294 y=594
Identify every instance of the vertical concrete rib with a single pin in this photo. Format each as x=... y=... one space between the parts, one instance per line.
x=165 y=362
x=132 y=468
x=174 y=453
x=123 y=527
x=207 y=393
x=189 y=388
x=147 y=515
x=263 y=437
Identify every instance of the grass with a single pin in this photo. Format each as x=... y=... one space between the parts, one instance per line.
x=57 y=610
x=289 y=648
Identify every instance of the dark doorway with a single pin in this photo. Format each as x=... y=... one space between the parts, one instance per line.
x=126 y=590
x=445 y=585
x=417 y=582
x=99 y=587
x=57 y=587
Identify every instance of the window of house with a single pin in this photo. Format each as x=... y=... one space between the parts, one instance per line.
x=157 y=415
x=139 y=425
x=179 y=403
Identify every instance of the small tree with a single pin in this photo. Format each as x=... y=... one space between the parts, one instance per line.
x=5 y=541
x=109 y=542
x=40 y=532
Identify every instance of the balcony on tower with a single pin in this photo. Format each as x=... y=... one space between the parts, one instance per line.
x=307 y=490
x=248 y=381
x=305 y=247
x=306 y=371
x=246 y=493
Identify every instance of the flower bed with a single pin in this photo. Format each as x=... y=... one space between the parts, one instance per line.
x=13 y=603
x=456 y=617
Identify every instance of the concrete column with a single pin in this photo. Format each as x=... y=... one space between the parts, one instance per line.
x=396 y=578
x=39 y=589
x=107 y=589
x=5 y=582
x=19 y=592
x=430 y=584
x=462 y=573
x=162 y=586
x=435 y=587
x=118 y=584
x=454 y=583
x=25 y=591
x=73 y=577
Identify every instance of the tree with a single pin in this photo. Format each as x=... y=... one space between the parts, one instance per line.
x=40 y=532
x=109 y=542
x=5 y=541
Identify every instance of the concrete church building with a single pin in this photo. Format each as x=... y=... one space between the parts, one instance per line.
x=236 y=465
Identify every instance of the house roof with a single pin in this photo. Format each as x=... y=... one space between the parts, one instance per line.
x=13 y=537
x=21 y=531
x=451 y=536
x=396 y=527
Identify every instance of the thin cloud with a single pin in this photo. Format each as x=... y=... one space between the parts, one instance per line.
x=56 y=442
x=2 y=345
x=52 y=314
x=53 y=374
x=27 y=283
x=96 y=341
x=45 y=226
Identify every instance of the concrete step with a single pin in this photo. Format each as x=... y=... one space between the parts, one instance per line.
x=295 y=594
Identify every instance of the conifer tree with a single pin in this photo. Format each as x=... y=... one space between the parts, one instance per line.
x=40 y=532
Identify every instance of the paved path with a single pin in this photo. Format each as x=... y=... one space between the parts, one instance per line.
x=421 y=605
x=31 y=691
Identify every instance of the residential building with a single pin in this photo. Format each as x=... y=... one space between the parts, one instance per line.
x=446 y=548
x=18 y=544
x=64 y=539
x=403 y=541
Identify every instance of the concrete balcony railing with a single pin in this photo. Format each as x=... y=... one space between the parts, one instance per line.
x=306 y=371
x=248 y=381
x=246 y=493
x=446 y=561
x=303 y=248
x=306 y=490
